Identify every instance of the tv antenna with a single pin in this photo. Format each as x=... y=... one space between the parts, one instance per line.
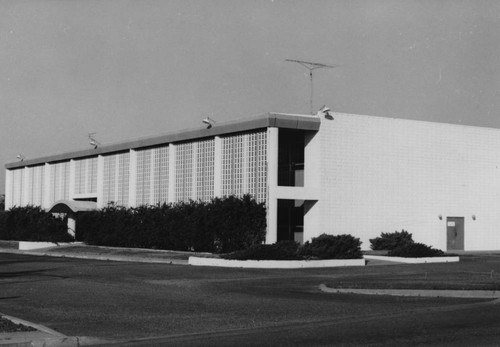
x=311 y=66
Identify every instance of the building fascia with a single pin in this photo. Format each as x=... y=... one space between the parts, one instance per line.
x=278 y=120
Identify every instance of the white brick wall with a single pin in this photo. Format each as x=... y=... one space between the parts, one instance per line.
x=383 y=174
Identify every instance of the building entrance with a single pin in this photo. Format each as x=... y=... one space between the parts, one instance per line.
x=291 y=220
x=455 y=233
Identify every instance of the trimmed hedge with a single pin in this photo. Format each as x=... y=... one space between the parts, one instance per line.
x=389 y=241
x=321 y=247
x=222 y=225
x=32 y=223
x=332 y=247
x=415 y=250
x=283 y=250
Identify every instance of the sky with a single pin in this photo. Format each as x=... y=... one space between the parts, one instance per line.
x=131 y=69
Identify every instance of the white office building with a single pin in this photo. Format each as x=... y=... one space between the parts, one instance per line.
x=341 y=174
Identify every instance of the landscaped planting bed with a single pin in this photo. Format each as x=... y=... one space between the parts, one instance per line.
x=7 y=326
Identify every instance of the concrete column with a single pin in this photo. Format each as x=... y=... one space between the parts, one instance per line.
x=272 y=184
x=171 y=172
x=100 y=182
x=132 y=178
x=152 y=165
x=217 y=167
x=246 y=144
x=194 y=172
x=26 y=189
x=47 y=188
x=72 y=224
x=8 y=189
x=72 y=177
x=117 y=194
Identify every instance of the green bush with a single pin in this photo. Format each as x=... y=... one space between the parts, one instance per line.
x=283 y=250
x=389 y=241
x=332 y=247
x=321 y=247
x=415 y=250
x=221 y=225
x=32 y=223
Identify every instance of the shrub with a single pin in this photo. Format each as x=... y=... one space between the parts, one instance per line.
x=236 y=223
x=415 y=250
x=321 y=247
x=221 y=225
x=332 y=247
x=389 y=241
x=32 y=223
x=283 y=250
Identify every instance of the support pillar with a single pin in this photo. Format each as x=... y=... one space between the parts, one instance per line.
x=72 y=224
x=272 y=185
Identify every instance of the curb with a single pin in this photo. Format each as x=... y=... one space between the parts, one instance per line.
x=275 y=264
x=423 y=260
x=483 y=294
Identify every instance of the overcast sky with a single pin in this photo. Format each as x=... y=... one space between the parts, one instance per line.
x=128 y=69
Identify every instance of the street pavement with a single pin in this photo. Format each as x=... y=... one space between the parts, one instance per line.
x=152 y=299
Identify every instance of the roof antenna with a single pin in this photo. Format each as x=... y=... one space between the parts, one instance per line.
x=311 y=66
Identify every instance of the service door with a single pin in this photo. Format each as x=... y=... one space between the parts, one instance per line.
x=455 y=233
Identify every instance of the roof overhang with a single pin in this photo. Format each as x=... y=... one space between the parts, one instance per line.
x=72 y=206
x=267 y=120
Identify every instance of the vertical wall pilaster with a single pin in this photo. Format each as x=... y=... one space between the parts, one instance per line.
x=218 y=166
x=272 y=184
x=171 y=172
x=47 y=188
x=132 y=191
x=100 y=182
x=194 y=173
x=26 y=189
x=115 y=190
x=72 y=175
x=152 y=177
x=8 y=189
x=246 y=147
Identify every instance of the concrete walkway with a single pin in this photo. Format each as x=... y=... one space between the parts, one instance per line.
x=81 y=251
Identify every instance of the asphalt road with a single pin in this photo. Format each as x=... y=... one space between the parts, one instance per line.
x=157 y=304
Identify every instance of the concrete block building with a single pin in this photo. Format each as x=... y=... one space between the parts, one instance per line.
x=341 y=174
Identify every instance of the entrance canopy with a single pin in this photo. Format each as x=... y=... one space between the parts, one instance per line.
x=72 y=206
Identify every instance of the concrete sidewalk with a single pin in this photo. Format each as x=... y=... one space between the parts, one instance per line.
x=81 y=251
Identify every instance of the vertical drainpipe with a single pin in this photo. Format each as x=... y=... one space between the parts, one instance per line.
x=272 y=184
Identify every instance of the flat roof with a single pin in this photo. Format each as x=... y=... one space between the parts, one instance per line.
x=267 y=120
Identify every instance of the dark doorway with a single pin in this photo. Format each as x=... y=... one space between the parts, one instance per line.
x=455 y=233
x=291 y=220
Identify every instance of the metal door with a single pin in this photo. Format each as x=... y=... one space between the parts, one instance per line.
x=455 y=233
